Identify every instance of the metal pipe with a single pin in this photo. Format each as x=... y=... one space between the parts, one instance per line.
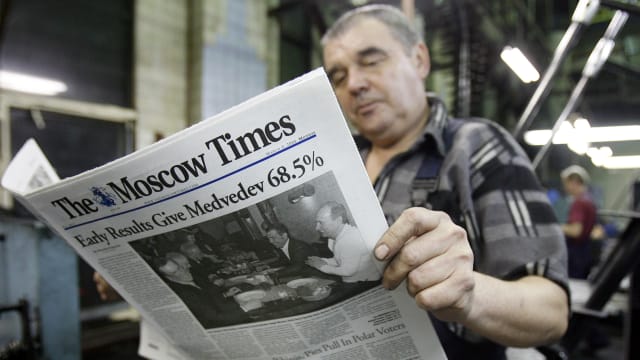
x=542 y=90
x=596 y=59
x=584 y=12
x=576 y=94
x=630 y=8
x=618 y=265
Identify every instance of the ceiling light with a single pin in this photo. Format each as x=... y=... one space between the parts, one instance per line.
x=519 y=63
x=581 y=124
x=30 y=84
x=599 y=155
x=622 y=162
x=588 y=134
x=579 y=147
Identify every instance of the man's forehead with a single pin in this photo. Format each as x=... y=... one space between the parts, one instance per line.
x=323 y=212
x=362 y=34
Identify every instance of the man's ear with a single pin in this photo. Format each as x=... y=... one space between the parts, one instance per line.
x=421 y=59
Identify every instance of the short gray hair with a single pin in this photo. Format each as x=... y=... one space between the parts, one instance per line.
x=395 y=20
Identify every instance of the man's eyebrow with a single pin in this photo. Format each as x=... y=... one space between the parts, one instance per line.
x=371 y=50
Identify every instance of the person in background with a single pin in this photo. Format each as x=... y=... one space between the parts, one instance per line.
x=489 y=261
x=581 y=232
x=580 y=221
x=351 y=259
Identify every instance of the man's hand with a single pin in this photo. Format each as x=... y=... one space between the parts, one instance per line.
x=432 y=253
x=315 y=261
x=104 y=289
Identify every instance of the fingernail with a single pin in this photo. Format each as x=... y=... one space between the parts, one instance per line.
x=381 y=252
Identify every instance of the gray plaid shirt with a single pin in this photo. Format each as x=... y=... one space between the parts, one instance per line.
x=487 y=185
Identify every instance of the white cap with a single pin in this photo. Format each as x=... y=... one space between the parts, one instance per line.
x=577 y=170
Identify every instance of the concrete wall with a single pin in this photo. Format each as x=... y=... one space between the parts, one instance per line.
x=160 y=70
x=194 y=59
x=42 y=269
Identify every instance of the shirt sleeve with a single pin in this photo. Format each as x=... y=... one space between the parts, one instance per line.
x=512 y=226
x=347 y=255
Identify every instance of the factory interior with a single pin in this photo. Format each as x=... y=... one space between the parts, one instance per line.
x=97 y=80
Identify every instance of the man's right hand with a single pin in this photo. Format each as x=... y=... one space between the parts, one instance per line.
x=104 y=289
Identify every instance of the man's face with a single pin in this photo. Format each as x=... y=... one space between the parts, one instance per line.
x=571 y=186
x=378 y=84
x=172 y=268
x=277 y=239
x=181 y=260
x=325 y=225
x=194 y=253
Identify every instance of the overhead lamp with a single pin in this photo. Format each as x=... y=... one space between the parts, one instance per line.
x=622 y=162
x=579 y=135
x=300 y=192
x=30 y=84
x=590 y=135
x=519 y=64
x=600 y=155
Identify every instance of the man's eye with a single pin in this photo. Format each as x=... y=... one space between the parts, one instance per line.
x=372 y=60
x=337 y=79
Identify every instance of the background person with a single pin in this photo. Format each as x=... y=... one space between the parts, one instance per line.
x=487 y=268
x=580 y=221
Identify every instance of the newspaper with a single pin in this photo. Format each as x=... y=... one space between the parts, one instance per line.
x=179 y=229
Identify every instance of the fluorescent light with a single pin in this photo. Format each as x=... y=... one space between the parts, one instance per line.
x=519 y=63
x=622 y=162
x=599 y=156
x=590 y=135
x=578 y=146
x=581 y=124
x=30 y=84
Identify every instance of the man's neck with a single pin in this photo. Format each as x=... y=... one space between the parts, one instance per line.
x=382 y=152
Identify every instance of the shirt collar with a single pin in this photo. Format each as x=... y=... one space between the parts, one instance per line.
x=435 y=125
x=285 y=249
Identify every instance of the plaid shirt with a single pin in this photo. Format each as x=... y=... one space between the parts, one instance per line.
x=487 y=185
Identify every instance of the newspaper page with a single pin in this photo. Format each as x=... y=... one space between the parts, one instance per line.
x=246 y=236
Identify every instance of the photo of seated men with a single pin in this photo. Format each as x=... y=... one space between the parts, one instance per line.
x=274 y=259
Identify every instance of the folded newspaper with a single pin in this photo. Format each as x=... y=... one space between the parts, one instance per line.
x=220 y=236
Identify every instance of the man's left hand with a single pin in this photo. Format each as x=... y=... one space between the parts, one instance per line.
x=432 y=253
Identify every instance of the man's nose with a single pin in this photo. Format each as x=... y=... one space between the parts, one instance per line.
x=357 y=80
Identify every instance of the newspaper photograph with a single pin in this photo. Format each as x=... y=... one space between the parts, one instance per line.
x=246 y=236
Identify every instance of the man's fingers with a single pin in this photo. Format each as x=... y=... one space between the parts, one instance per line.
x=412 y=222
x=449 y=300
x=416 y=237
x=433 y=272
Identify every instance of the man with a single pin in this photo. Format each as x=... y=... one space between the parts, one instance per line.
x=351 y=259
x=195 y=254
x=195 y=235
x=500 y=273
x=580 y=222
x=291 y=250
x=203 y=266
x=175 y=267
x=503 y=274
